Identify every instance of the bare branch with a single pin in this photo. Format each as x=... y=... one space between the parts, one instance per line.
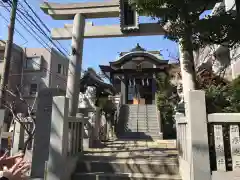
x=22 y=120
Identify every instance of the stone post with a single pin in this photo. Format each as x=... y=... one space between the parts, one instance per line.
x=75 y=64
x=198 y=151
x=96 y=127
x=124 y=89
x=42 y=132
x=58 y=139
x=18 y=138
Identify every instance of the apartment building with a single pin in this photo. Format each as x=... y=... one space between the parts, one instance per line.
x=220 y=58
x=33 y=69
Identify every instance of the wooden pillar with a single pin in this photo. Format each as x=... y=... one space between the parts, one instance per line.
x=154 y=86
x=124 y=89
x=75 y=63
x=112 y=78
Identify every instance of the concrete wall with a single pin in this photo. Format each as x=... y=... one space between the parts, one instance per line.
x=15 y=67
x=46 y=77
x=215 y=57
x=58 y=79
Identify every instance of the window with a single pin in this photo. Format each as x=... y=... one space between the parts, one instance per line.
x=33 y=63
x=59 y=69
x=33 y=89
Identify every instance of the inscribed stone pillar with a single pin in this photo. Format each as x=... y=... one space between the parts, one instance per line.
x=42 y=132
x=197 y=140
x=75 y=63
x=58 y=146
x=235 y=146
x=219 y=147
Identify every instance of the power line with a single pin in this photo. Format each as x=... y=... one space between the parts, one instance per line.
x=8 y=49
x=42 y=22
x=38 y=38
x=38 y=27
x=18 y=32
x=45 y=69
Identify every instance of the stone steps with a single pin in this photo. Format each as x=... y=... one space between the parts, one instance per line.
x=124 y=160
x=122 y=176
x=134 y=166
x=140 y=122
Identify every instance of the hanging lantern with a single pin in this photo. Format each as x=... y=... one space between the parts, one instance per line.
x=134 y=82
x=130 y=83
x=147 y=82
x=143 y=82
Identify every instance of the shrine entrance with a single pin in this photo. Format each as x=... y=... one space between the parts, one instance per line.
x=140 y=91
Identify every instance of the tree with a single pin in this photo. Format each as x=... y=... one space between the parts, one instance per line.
x=167 y=99
x=181 y=22
x=26 y=120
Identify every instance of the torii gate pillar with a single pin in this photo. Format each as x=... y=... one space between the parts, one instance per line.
x=75 y=63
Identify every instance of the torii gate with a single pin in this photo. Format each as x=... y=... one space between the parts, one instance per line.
x=79 y=30
x=129 y=26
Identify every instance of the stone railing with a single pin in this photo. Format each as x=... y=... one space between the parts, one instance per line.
x=192 y=139
x=208 y=145
x=182 y=145
x=66 y=139
x=117 y=99
x=75 y=134
x=224 y=145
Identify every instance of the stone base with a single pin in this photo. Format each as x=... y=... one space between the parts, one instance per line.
x=86 y=143
x=97 y=144
x=161 y=135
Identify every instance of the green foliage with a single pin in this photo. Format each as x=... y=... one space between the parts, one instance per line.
x=221 y=95
x=166 y=97
x=181 y=18
x=224 y=98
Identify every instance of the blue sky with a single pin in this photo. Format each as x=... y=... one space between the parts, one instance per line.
x=96 y=51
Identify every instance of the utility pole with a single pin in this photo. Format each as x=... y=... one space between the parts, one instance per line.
x=8 y=52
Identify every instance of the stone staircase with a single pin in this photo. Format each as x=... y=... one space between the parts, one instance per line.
x=140 y=122
x=129 y=160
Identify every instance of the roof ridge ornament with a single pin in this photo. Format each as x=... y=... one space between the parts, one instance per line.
x=137 y=48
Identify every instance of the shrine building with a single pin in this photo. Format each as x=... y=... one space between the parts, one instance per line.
x=133 y=74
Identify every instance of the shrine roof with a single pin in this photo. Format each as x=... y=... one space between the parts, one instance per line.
x=90 y=78
x=106 y=69
x=157 y=59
